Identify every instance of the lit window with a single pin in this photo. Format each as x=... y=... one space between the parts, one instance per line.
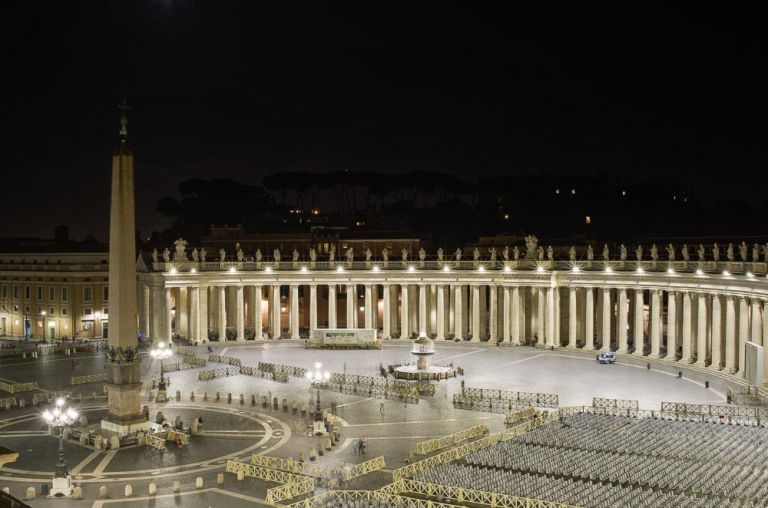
x=588 y=219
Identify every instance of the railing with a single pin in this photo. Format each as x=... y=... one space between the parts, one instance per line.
x=230 y=360
x=366 y=467
x=290 y=370
x=607 y=411
x=369 y=497
x=8 y=402
x=488 y=405
x=90 y=378
x=207 y=375
x=615 y=403
x=548 y=400
x=516 y=417
x=18 y=387
x=177 y=366
x=465 y=449
x=155 y=441
x=289 y=490
x=373 y=387
x=660 y=265
x=292 y=466
x=480 y=497
x=277 y=377
x=294 y=485
x=714 y=414
x=431 y=445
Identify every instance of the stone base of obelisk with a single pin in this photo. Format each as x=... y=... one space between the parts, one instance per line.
x=124 y=400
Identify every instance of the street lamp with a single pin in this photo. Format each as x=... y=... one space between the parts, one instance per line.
x=161 y=353
x=318 y=377
x=42 y=313
x=60 y=418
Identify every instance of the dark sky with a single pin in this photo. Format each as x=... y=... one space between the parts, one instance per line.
x=228 y=89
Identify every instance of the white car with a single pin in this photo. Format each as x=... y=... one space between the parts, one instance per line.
x=606 y=357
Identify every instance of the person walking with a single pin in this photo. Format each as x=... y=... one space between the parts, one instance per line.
x=381 y=409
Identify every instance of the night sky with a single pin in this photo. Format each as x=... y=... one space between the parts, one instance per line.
x=240 y=90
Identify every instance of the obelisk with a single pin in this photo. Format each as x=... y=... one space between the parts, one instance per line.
x=123 y=380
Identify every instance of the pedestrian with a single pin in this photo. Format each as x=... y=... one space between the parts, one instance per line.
x=381 y=409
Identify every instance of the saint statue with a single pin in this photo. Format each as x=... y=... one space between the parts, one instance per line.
x=332 y=254
x=729 y=252
x=202 y=254
x=385 y=254
x=755 y=253
x=476 y=254
x=716 y=252
x=639 y=253
x=671 y=252
x=166 y=255
x=240 y=255
x=531 y=246
x=222 y=255
x=458 y=254
x=686 y=256
x=350 y=255
x=195 y=255
x=295 y=257
x=422 y=254
x=606 y=252
x=550 y=253
x=541 y=253
x=312 y=254
x=404 y=254
x=590 y=253
x=505 y=253
x=181 y=250
x=276 y=255
x=368 y=254
x=743 y=251
x=154 y=255
x=622 y=252
x=702 y=252
x=259 y=256
x=516 y=253
x=440 y=254
x=572 y=253
x=654 y=252
x=492 y=252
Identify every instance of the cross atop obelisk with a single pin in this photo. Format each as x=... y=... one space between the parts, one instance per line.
x=123 y=107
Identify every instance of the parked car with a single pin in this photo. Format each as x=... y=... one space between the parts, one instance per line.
x=606 y=357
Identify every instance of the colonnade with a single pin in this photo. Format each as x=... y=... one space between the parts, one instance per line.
x=703 y=326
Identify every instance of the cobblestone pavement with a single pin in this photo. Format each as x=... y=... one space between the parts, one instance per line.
x=232 y=430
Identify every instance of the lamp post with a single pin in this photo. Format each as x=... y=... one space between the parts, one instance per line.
x=96 y=322
x=318 y=377
x=161 y=352
x=60 y=418
x=42 y=313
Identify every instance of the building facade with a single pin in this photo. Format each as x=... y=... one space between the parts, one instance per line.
x=46 y=295
x=701 y=312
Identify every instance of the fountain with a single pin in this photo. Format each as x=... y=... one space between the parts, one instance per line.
x=423 y=348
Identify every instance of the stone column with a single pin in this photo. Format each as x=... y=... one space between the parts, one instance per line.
x=475 y=313
x=458 y=315
x=606 y=323
x=375 y=307
x=222 y=313
x=493 y=324
x=589 y=322
x=623 y=310
x=368 y=306
x=423 y=323
x=294 y=311
x=541 y=316
x=483 y=312
x=203 y=314
x=351 y=305
x=515 y=320
x=671 y=325
x=194 y=314
x=404 y=312
x=572 y=332
x=757 y=325
x=506 y=324
x=168 y=314
x=550 y=330
x=717 y=336
x=730 y=335
x=332 y=313
x=240 y=298
x=701 y=331
x=655 y=323
x=386 y=325
x=312 y=308
x=440 y=312
x=145 y=309
x=275 y=311
x=182 y=318
x=256 y=310
x=638 y=332
x=687 y=326
x=743 y=333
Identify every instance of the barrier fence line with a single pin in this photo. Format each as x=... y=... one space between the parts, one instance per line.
x=549 y=400
x=366 y=467
x=8 y=402
x=207 y=375
x=289 y=490
x=519 y=416
x=615 y=403
x=18 y=387
x=91 y=378
x=482 y=497
x=465 y=449
x=292 y=466
x=264 y=473
x=290 y=370
x=431 y=445
x=756 y=416
x=369 y=496
x=230 y=360
x=488 y=405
